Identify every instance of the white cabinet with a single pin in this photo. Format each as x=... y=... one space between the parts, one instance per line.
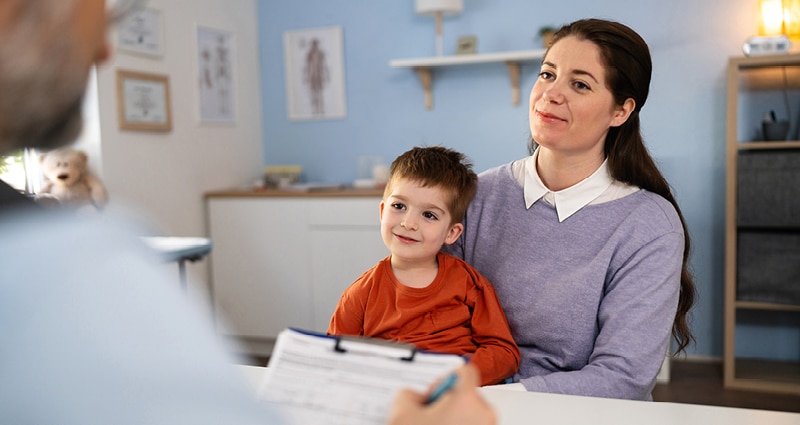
x=283 y=261
x=344 y=241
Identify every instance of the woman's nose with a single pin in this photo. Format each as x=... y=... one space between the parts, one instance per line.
x=553 y=94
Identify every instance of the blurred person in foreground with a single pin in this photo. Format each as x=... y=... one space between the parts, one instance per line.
x=92 y=332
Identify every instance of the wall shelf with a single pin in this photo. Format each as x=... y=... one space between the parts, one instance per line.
x=769 y=145
x=424 y=67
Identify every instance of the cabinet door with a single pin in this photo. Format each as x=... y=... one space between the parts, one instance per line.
x=260 y=265
x=345 y=242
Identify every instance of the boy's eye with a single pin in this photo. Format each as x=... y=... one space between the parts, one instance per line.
x=429 y=215
x=398 y=206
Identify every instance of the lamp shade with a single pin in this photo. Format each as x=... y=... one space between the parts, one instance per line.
x=779 y=17
x=431 y=7
x=771 y=22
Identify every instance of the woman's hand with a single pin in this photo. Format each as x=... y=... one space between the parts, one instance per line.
x=462 y=405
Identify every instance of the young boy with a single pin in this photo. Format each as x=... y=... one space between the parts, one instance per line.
x=418 y=294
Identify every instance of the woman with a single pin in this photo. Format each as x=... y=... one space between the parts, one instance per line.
x=583 y=240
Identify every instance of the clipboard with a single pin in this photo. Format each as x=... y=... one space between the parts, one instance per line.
x=321 y=379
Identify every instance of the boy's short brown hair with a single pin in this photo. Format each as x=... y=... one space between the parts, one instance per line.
x=437 y=166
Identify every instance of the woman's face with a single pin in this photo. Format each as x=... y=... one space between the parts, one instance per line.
x=571 y=108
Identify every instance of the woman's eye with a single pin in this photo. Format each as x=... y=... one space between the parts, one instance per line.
x=546 y=75
x=580 y=85
x=429 y=215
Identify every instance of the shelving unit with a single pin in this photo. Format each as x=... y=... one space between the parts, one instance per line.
x=424 y=67
x=747 y=262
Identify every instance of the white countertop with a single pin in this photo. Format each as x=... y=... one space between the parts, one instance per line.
x=521 y=407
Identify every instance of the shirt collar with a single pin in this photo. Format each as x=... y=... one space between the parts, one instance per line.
x=567 y=201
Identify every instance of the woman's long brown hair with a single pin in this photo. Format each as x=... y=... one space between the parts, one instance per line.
x=628 y=69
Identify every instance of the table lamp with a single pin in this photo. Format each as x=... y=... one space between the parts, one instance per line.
x=438 y=8
x=779 y=17
x=778 y=25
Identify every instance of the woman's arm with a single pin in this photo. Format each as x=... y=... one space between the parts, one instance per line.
x=634 y=321
x=348 y=317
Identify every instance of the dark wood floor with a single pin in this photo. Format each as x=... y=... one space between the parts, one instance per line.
x=697 y=382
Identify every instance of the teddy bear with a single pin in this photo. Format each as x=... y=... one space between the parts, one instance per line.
x=68 y=181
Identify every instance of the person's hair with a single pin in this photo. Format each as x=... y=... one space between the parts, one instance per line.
x=439 y=167
x=628 y=67
x=42 y=84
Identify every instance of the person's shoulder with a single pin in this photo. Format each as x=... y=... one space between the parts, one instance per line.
x=661 y=205
x=51 y=228
x=496 y=180
x=654 y=210
x=11 y=200
x=80 y=249
x=455 y=263
x=451 y=260
x=496 y=173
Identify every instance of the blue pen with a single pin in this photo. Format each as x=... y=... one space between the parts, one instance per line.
x=443 y=387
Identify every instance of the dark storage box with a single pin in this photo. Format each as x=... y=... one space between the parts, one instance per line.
x=769 y=188
x=768 y=267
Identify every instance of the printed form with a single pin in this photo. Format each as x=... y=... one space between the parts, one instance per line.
x=318 y=379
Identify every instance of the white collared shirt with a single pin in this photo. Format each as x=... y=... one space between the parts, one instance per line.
x=598 y=188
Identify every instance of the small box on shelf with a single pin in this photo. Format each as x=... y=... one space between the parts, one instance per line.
x=282 y=175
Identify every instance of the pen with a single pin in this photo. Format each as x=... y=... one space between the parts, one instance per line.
x=442 y=388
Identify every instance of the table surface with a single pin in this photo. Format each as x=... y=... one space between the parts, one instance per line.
x=173 y=248
x=300 y=192
x=521 y=407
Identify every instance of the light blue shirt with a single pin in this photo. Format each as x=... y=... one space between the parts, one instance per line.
x=92 y=332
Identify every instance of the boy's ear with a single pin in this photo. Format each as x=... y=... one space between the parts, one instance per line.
x=380 y=216
x=454 y=233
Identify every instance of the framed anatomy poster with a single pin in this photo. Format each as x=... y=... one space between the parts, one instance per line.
x=216 y=82
x=314 y=63
x=143 y=101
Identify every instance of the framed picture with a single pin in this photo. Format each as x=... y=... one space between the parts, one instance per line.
x=215 y=75
x=314 y=63
x=142 y=32
x=143 y=101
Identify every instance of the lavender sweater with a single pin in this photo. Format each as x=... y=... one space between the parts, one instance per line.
x=590 y=300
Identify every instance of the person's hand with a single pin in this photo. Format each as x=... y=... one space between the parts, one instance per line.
x=462 y=405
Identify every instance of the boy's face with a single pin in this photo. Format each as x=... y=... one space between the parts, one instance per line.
x=415 y=221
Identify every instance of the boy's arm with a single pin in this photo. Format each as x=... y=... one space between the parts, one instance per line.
x=497 y=355
x=348 y=317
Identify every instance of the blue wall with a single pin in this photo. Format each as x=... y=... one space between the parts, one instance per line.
x=683 y=121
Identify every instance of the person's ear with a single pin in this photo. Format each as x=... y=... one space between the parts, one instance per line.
x=453 y=233
x=622 y=112
x=380 y=216
x=103 y=53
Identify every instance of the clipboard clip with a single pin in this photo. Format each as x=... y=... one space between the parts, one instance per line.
x=359 y=344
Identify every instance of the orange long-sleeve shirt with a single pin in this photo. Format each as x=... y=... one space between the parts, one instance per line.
x=457 y=313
